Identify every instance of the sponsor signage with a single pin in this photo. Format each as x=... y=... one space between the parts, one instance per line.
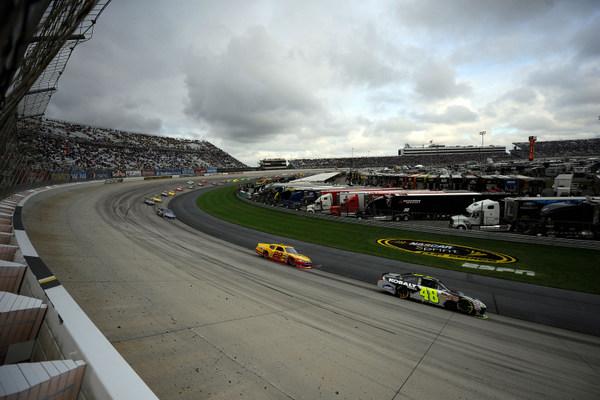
x=446 y=250
x=482 y=267
x=133 y=173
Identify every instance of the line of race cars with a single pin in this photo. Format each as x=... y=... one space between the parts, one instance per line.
x=411 y=286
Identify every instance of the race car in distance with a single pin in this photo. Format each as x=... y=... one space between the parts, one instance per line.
x=283 y=253
x=149 y=201
x=169 y=214
x=156 y=199
x=430 y=290
x=171 y=193
x=160 y=211
x=179 y=189
x=164 y=194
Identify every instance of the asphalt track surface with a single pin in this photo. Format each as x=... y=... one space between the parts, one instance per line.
x=555 y=307
x=198 y=317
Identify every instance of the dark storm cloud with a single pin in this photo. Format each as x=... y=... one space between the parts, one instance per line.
x=253 y=90
x=452 y=115
x=587 y=40
x=111 y=83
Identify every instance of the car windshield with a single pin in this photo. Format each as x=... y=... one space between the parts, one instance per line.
x=291 y=250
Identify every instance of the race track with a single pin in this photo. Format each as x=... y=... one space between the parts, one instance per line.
x=198 y=317
x=560 y=308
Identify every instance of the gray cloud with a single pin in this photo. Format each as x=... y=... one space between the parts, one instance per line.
x=435 y=81
x=587 y=42
x=252 y=90
x=366 y=59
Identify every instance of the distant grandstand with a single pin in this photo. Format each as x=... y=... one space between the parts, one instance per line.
x=559 y=148
x=58 y=145
x=437 y=149
x=272 y=163
x=392 y=161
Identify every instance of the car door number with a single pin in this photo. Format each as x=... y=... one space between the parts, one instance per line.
x=430 y=295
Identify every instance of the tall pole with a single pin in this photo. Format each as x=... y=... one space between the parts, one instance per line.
x=482 y=134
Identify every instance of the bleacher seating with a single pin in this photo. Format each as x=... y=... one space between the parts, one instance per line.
x=57 y=145
x=558 y=148
x=59 y=379
x=390 y=161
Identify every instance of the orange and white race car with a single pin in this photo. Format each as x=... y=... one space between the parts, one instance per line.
x=283 y=253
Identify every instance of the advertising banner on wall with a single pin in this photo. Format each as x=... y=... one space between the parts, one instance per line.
x=78 y=175
x=118 y=174
x=133 y=173
x=103 y=174
x=187 y=171
x=211 y=170
x=60 y=177
x=199 y=171
x=169 y=171
x=148 y=172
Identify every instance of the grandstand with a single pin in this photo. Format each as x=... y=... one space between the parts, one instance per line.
x=53 y=145
x=439 y=160
x=559 y=148
x=440 y=149
x=273 y=163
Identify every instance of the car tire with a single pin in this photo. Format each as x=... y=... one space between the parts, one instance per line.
x=402 y=292
x=265 y=254
x=465 y=306
x=290 y=261
x=461 y=227
x=405 y=218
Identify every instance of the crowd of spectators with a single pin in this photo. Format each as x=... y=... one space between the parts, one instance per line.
x=392 y=161
x=559 y=148
x=58 y=145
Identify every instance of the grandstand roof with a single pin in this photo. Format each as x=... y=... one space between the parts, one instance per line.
x=318 y=178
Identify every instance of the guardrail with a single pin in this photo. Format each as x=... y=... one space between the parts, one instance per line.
x=407 y=226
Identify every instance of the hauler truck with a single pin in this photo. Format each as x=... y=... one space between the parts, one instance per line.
x=517 y=214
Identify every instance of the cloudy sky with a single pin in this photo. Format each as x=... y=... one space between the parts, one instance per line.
x=319 y=78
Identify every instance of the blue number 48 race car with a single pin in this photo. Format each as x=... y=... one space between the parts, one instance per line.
x=430 y=290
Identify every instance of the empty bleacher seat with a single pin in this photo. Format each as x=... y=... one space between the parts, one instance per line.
x=59 y=379
x=11 y=276
x=20 y=320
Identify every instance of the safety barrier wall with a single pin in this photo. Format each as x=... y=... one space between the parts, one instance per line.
x=66 y=332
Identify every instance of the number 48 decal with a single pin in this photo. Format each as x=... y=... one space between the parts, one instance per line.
x=429 y=294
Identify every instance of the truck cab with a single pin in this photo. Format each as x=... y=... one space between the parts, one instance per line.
x=322 y=204
x=483 y=213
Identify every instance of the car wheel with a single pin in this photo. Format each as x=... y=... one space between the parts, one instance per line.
x=290 y=261
x=265 y=254
x=406 y=217
x=396 y=218
x=465 y=306
x=402 y=292
x=461 y=228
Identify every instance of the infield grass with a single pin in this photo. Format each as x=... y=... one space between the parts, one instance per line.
x=560 y=267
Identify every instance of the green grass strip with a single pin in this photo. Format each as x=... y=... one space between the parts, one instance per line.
x=560 y=267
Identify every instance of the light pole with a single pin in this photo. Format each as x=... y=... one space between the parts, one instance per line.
x=482 y=134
